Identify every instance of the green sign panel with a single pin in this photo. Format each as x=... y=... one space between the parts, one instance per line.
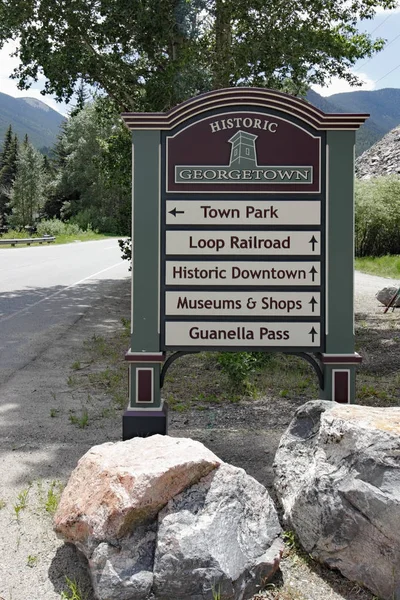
x=242 y=239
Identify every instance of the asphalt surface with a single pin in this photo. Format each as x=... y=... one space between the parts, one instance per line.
x=45 y=290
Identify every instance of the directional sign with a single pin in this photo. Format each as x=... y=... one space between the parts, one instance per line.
x=244 y=212
x=221 y=334
x=242 y=238
x=254 y=303
x=230 y=252
x=263 y=243
x=244 y=273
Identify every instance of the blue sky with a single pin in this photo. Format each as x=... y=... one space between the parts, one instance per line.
x=382 y=71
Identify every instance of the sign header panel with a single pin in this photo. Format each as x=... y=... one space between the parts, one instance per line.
x=243 y=151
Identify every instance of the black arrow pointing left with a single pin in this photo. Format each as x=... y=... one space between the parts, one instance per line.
x=176 y=212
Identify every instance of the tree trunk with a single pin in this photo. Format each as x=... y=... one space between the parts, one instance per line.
x=223 y=42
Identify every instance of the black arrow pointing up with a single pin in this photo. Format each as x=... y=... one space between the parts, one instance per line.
x=313 y=273
x=313 y=241
x=313 y=333
x=313 y=302
x=176 y=212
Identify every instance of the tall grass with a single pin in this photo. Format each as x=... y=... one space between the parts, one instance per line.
x=384 y=266
x=377 y=216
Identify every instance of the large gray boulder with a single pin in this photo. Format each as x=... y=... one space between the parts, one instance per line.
x=169 y=521
x=338 y=478
x=221 y=534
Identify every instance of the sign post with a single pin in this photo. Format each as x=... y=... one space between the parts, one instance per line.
x=242 y=239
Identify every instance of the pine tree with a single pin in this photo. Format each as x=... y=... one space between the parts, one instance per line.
x=6 y=146
x=27 y=196
x=9 y=157
x=82 y=97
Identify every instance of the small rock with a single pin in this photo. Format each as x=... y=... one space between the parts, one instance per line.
x=385 y=296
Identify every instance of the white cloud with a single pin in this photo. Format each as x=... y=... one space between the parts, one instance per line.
x=337 y=86
x=9 y=86
x=380 y=10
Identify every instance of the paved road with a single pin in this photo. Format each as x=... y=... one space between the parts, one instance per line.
x=45 y=290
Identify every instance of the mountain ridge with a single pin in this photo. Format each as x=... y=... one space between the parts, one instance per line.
x=383 y=105
x=32 y=117
x=42 y=123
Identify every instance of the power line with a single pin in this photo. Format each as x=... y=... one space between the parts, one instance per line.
x=380 y=25
x=383 y=76
x=383 y=50
x=393 y=40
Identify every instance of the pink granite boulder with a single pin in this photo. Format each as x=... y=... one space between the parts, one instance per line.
x=116 y=486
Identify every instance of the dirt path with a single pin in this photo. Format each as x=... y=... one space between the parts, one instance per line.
x=40 y=445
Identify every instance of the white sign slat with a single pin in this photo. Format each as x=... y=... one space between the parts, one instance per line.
x=264 y=243
x=244 y=212
x=288 y=304
x=182 y=334
x=261 y=273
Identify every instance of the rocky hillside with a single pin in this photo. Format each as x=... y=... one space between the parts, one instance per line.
x=383 y=158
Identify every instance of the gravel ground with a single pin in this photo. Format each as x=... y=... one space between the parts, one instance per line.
x=40 y=445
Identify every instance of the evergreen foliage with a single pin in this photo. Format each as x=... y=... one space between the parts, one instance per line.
x=27 y=195
x=82 y=98
x=6 y=146
x=8 y=170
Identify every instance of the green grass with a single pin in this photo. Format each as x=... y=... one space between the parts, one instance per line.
x=82 y=421
x=52 y=498
x=86 y=236
x=74 y=591
x=22 y=501
x=384 y=266
x=32 y=560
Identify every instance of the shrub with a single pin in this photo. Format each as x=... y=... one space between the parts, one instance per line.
x=126 y=251
x=377 y=216
x=57 y=227
x=91 y=218
x=238 y=366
